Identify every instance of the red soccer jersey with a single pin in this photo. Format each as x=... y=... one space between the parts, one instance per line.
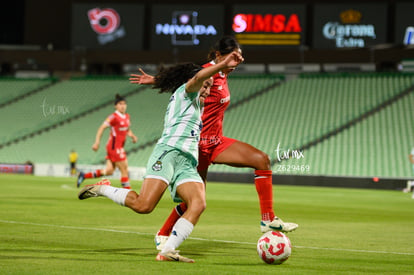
x=214 y=106
x=119 y=128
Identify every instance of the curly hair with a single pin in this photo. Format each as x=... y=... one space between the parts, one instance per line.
x=225 y=45
x=169 y=79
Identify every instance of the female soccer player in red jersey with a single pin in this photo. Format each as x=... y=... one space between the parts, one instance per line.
x=215 y=148
x=116 y=157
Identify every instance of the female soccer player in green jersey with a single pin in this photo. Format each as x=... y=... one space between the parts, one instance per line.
x=173 y=163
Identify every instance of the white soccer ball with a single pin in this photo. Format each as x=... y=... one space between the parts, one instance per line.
x=274 y=247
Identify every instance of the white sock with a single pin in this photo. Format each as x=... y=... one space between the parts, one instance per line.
x=181 y=230
x=118 y=195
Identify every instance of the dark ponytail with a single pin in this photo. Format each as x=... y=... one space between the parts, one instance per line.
x=225 y=45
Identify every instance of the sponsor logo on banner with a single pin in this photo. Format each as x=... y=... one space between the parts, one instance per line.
x=409 y=36
x=267 y=29
x=349 y=32
x=16 y=168
x=184 y=28
x=64 y=170
x=106 y=23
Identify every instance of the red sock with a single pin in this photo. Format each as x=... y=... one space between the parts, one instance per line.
x=263 y=182
x=125 y=183
x=92 y=175
x=176 y=213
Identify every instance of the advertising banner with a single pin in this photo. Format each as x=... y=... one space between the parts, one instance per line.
x=108 y=26
x=404 y=24
x=185 y=25
x=63 y=170
x=16 y=168
x=269 y=25
x=349 y=25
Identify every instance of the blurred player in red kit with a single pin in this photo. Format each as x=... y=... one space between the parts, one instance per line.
x=116 y=157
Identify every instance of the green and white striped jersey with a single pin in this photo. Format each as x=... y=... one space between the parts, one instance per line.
x=182 y=122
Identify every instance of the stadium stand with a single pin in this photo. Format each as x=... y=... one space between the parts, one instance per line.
x=243 y=87
x=57 y=104
x=304 y=109
x=246 y=87
x=12 y=88
x=378 y=146
x=144 y=109
x=267 y=112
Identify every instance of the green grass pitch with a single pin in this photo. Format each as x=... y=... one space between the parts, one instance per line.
x=45 y=229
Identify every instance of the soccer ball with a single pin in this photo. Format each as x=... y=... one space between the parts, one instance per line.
x=274 y=247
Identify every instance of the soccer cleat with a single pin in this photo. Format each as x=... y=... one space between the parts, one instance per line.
x=160 y=241
x=173 y=256
x=92 y=190
x=81 y=178
x=277 y=225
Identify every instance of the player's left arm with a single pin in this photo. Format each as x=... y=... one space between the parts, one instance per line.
x=132 y=136
x=411 y=157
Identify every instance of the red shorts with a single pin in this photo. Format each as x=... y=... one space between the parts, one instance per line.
x=116 y=154
x=210 y=148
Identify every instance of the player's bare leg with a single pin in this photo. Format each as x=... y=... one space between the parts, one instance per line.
x=241 y=154
x=144 y=203
x=193 y=193
x=151 y=192
x=162 y=235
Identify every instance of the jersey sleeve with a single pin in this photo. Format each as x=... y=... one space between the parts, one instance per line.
x=129 y=121
x=192 y=95
x=110 y=120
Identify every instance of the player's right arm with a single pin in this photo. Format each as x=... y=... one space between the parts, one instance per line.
x=142 y=78
x=98 y=137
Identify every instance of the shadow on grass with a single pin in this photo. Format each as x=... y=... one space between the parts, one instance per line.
x=78 y=252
